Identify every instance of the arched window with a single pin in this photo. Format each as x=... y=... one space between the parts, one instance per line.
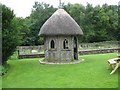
x=52 y=44
x=65 y=44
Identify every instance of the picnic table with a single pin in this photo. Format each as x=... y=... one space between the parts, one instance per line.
x=114 y=63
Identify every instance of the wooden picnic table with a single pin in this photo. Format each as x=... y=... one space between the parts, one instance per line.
x=114 y=63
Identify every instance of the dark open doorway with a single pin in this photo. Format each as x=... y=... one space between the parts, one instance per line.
x=75 y=49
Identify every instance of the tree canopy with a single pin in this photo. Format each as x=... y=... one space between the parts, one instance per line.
x=99 y=23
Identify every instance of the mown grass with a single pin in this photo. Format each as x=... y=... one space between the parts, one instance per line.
x=92 y=73
x=0 y=82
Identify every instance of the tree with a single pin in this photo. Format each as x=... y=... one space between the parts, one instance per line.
x=10 y=33
x=99 y=23
x=40 y=13
x=25 y=30
x=0 y=32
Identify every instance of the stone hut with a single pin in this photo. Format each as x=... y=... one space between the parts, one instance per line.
x=60 y=33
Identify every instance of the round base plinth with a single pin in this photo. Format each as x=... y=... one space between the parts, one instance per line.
x=72 y=62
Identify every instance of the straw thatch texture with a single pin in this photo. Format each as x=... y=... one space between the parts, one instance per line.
x=60 y=23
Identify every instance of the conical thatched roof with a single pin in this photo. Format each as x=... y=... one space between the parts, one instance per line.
x=60 y=23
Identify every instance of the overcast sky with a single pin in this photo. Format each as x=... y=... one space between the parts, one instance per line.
x=22 y=8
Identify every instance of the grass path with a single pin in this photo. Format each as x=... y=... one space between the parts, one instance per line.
x=92 y=73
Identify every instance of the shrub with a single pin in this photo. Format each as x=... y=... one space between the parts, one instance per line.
x=10 y=33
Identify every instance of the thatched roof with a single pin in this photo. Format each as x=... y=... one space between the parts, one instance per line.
x=60 y=23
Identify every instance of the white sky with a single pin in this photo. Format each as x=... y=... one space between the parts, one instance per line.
x=22 y=8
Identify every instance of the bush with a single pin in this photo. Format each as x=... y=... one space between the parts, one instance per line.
x=10 y=33
x=4 y=69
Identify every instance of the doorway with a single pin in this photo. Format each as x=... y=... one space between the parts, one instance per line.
x=75 y=49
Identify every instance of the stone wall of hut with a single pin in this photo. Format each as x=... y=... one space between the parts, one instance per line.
x=59 y=54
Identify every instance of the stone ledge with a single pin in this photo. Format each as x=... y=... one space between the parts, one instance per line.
x=81 y=52
x=74 y=62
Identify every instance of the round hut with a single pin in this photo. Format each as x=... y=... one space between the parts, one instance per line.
x=60 y=33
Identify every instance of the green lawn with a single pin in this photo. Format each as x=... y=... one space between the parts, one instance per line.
x=92 y=73
x=0 y=82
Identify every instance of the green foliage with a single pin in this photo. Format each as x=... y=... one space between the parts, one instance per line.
x=0 y=32
x=10 y=33
x=40 y=13
x=4 y=69
x=99 y=23
x=25 y=30
x=31 y=74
